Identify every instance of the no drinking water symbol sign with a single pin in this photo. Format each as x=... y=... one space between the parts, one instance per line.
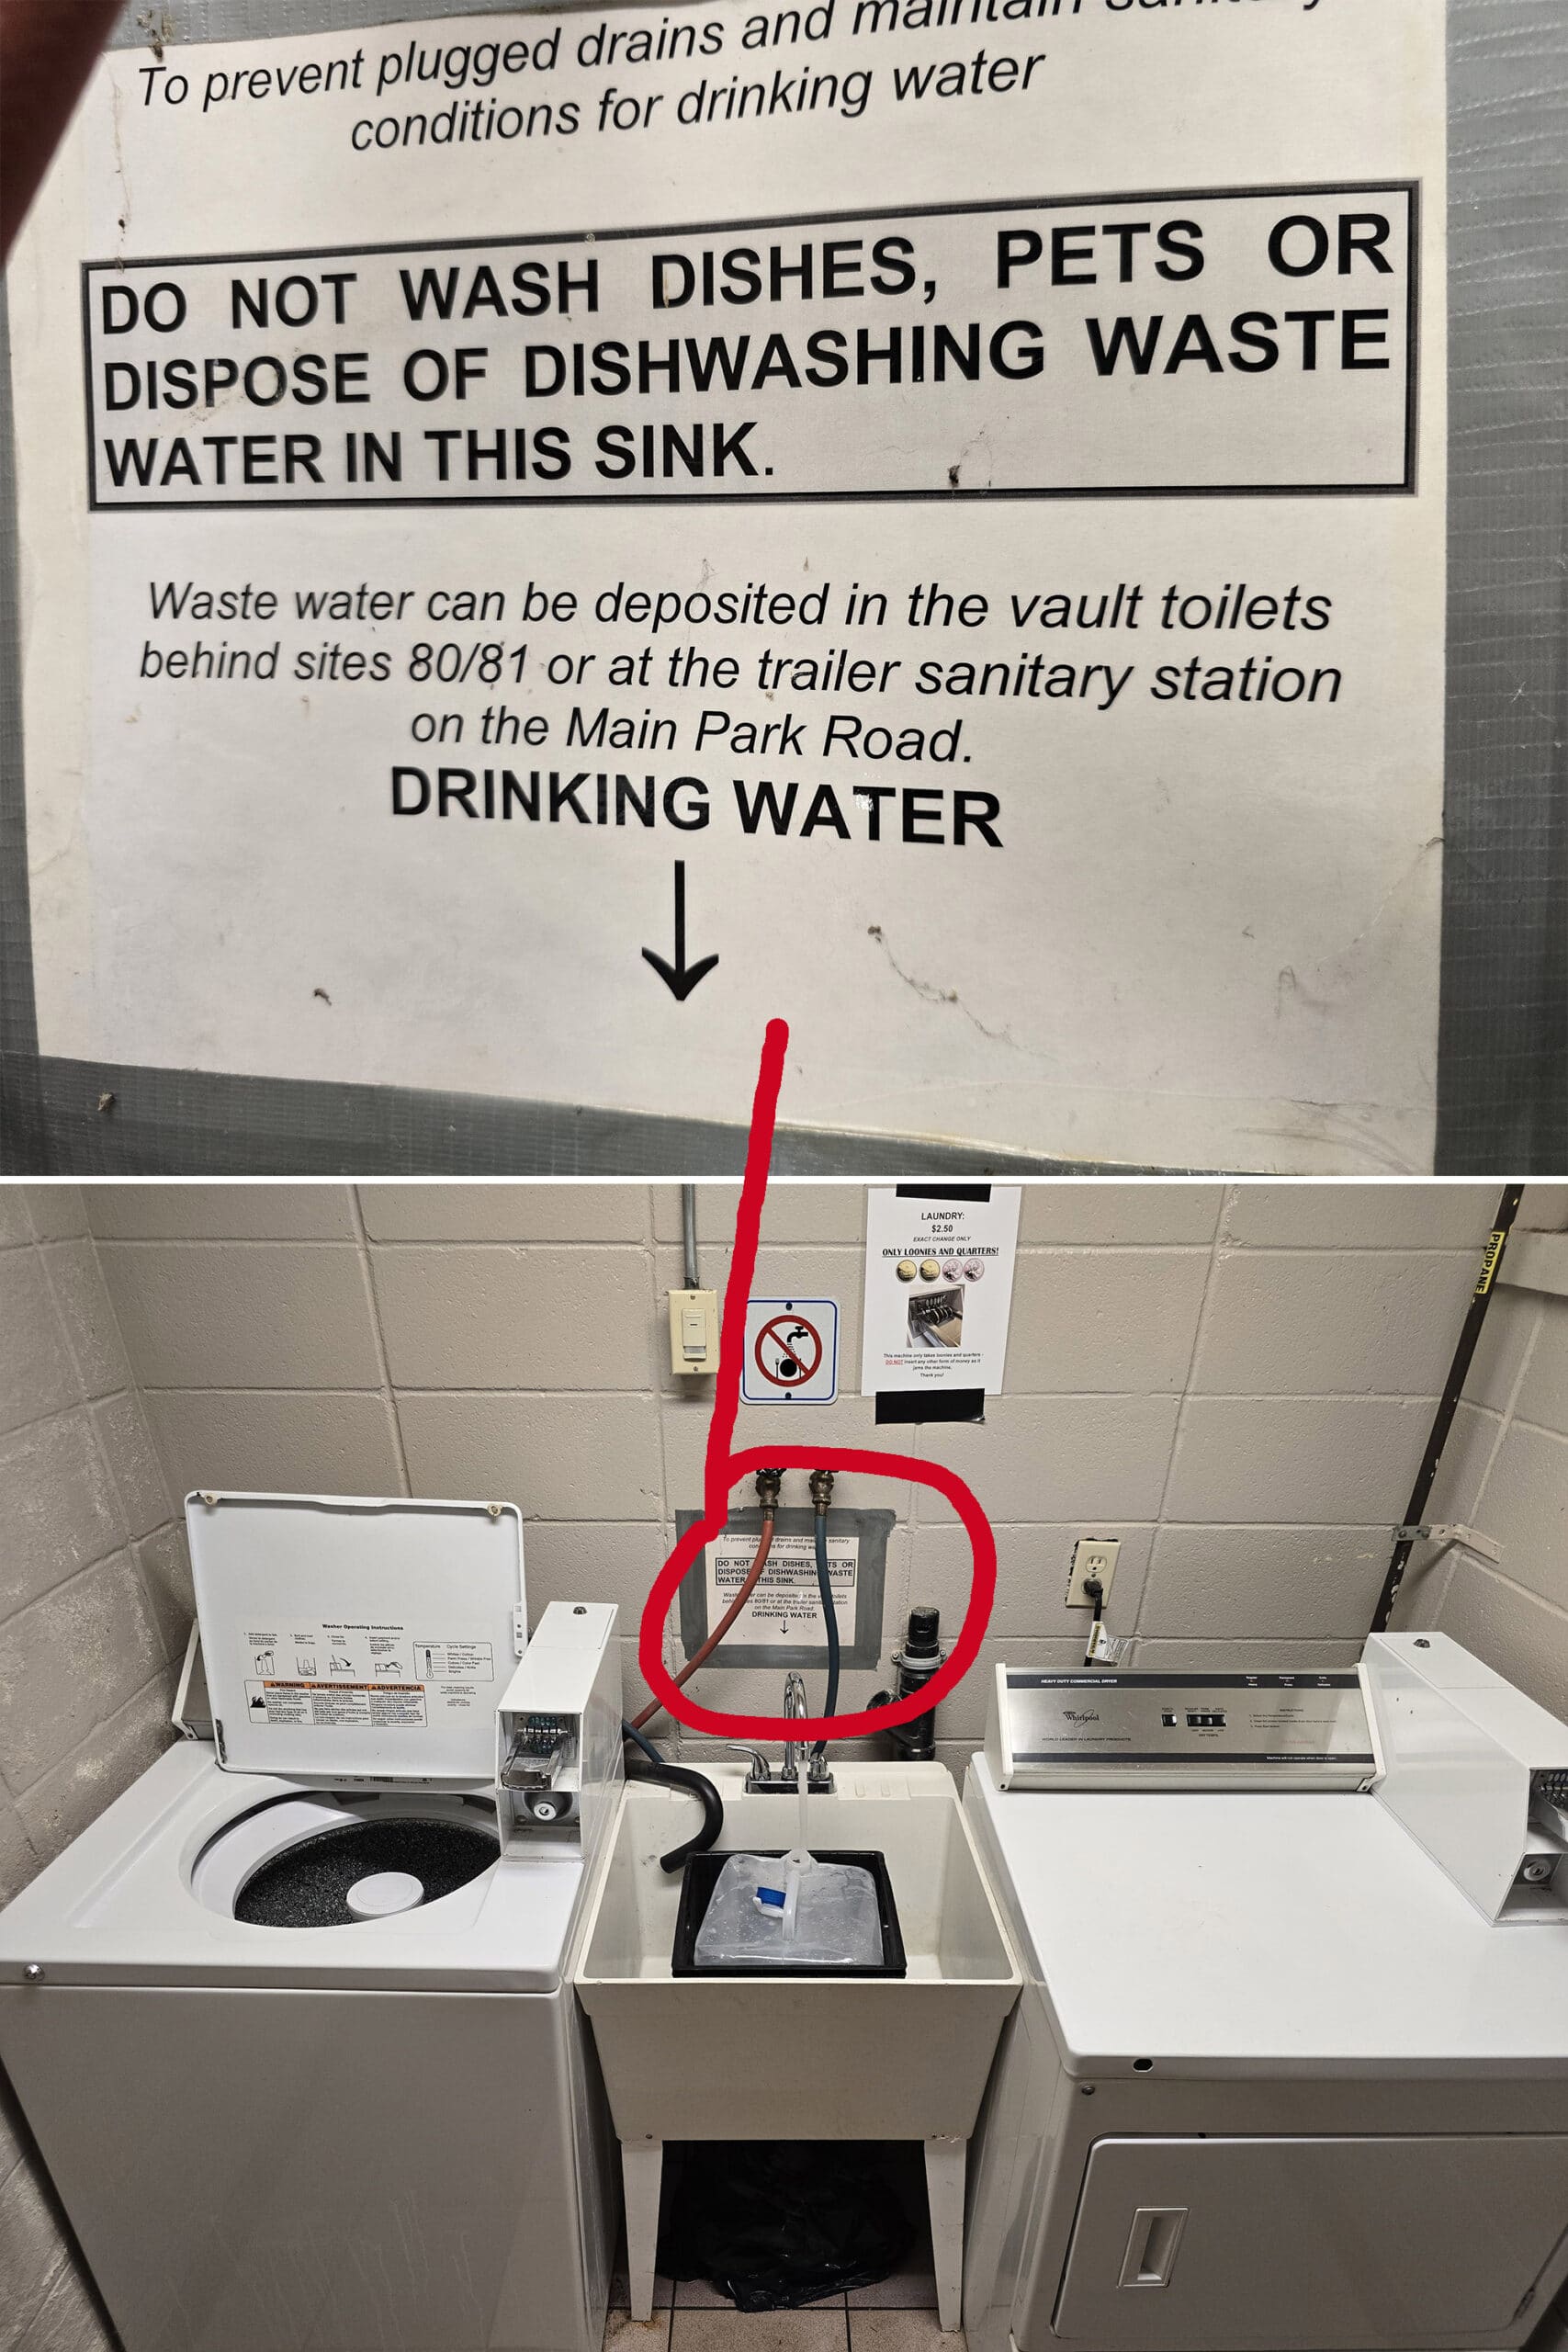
x=790 y=1355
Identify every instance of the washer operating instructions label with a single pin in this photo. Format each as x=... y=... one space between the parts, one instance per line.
x=327 y=1705
x=675 y=520
x=333 y=1675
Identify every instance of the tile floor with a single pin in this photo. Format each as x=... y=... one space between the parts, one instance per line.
x=899 y=2315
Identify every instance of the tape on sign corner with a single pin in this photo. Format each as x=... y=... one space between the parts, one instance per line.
x=907 y=1405
x=981 y=1192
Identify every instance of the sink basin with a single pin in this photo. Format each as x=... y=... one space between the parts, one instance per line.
x=777 y=2057
x=800 y=2058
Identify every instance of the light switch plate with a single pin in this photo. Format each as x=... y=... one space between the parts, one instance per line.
x=1093 y=1555
x=693 y=1332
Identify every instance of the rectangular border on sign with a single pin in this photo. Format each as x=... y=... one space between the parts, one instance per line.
x=1406 y=487
x=872 y=1528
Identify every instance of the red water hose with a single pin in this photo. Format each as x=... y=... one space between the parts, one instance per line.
x=748 y=1586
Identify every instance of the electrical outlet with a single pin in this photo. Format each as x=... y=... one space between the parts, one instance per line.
x=1093 y=1555
x=693 y=1332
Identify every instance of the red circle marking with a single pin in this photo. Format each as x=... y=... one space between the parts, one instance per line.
x=787 y=1349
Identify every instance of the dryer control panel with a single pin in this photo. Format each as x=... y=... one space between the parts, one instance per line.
x=1094 y=1730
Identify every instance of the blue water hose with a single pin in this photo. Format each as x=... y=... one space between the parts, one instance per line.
x=830 y=1615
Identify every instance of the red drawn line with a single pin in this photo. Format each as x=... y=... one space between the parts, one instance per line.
x=723 y=1468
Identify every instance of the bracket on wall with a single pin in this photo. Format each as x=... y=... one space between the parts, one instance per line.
x=1442 y=1531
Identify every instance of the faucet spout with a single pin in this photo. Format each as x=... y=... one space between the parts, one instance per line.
x=796 y=1707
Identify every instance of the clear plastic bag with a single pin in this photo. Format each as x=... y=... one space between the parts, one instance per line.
x=827 y=1917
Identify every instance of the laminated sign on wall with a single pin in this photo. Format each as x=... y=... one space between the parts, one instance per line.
x=939 y=1268
x=935 y=505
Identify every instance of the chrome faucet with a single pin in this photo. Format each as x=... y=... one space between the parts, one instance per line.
x=796 y=1708
x=761 y=1779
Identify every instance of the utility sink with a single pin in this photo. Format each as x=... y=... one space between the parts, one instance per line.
x=824 y=2058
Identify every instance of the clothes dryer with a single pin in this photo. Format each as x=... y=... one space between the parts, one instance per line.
x=1290 y=2069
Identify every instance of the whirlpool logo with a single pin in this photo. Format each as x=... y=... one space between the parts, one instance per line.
x=1081 y=1715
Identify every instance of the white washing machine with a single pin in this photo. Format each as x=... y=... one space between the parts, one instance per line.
x=1290 y=2070
x=293 y=2020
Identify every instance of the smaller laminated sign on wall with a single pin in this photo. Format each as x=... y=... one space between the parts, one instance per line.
x=786 y=1607
x=939 y=1266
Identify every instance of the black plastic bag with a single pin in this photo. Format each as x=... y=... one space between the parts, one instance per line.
x=775 y=2223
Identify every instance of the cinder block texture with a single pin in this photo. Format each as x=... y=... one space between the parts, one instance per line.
x=58 y=1212
x=74 y=1656
x=17 y=1863
x=296 y=1443
x=33 y=2253
x=58 y=1507
x=58 y=1808
x=559 y=1458
x=37 y=1375
x=1323 y=1461
x=1516 y=1633
x=1105 y=1320
x=1234 y=1584
x=793 y=1211
x=68 y=2321
x=1509 y=1339
x=458 y=1211
x=1544 y=1397
x=87 y=1318
x=268 y=1315
x=1360 y=1216
x=1103 y=1216
x=92 y=1610
x=505 y=1318
x=222 y=1212
x=1303 y=1323
x=1507 y=1475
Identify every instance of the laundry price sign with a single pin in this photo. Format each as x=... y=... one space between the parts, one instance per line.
x=510 y=583
x=791 y=1354
x=939 y=1270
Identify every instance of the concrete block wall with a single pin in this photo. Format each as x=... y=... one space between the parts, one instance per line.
x=94 y=1605
x=1237 y=1380
x=1508 y=1476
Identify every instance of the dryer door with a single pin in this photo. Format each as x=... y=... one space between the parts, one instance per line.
x=1191 y=2245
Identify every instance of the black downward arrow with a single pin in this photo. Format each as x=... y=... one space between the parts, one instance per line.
x=680 y=978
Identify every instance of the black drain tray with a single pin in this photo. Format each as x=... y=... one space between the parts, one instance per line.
x=700 y=1878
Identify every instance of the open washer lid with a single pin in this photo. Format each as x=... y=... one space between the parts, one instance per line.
x=351 y=1638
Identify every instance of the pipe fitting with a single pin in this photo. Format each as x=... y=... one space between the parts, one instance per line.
x=769 y=1483
x=822 y=1491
